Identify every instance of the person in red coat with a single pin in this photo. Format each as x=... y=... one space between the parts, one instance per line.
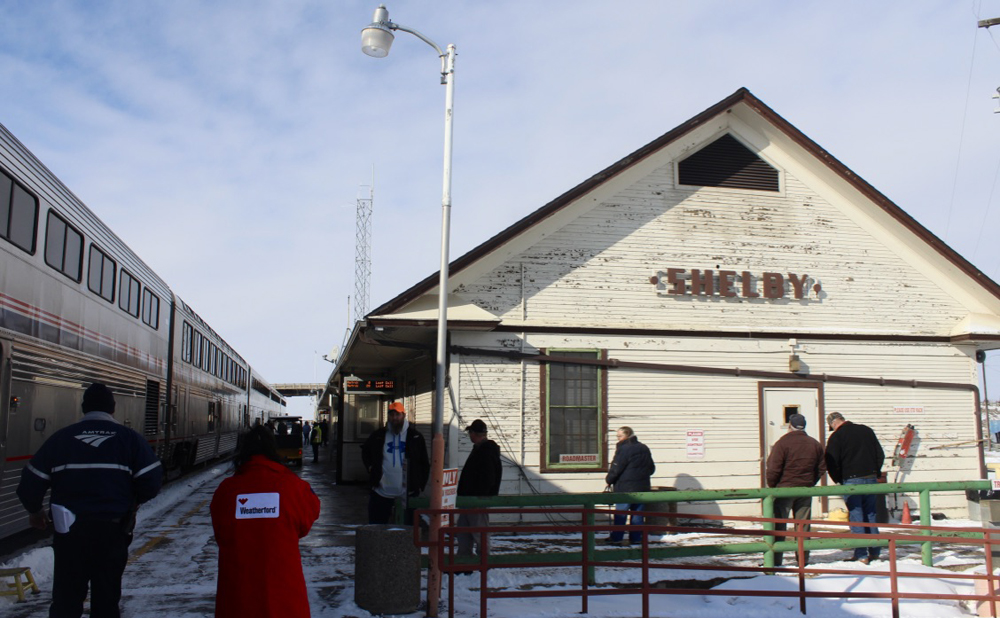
x=259 y=514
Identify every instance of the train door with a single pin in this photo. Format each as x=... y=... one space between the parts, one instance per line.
x=5 y=401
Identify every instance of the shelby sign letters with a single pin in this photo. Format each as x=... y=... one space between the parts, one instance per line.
x=732 y=284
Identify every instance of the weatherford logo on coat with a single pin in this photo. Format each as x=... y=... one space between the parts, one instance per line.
x=94 y=438
x=732 y=284
x=258 y=506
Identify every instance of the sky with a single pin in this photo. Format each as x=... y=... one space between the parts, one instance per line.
x=227 y=142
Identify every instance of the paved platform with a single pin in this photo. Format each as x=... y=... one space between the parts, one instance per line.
x=173 y=563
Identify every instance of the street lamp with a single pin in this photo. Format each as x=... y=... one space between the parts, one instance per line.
x=376 y=39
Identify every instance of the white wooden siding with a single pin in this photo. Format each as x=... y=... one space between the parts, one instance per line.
x=601 y=262
x=661 y=406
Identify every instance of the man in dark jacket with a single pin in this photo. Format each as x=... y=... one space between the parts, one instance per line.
x=481 y=476
x=796 y=460
x=99 y=472
x=854 y=456
x=397 y=463
x=630 y=471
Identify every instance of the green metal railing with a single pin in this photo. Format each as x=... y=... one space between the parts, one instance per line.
x=765 y=495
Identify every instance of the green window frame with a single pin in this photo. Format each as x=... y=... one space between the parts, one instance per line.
x=574 y=407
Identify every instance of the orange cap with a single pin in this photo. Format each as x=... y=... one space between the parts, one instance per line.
x=397 y=406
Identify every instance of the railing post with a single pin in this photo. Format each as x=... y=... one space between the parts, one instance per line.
x=591 y=546
x=767 y=511
x=990 y=581
x=585 y=573
x=484 y=556
x=925 y=520
x=645 y=574
x=893 y=583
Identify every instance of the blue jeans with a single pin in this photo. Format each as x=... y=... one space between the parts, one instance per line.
x=861 y=508
x=637 y=519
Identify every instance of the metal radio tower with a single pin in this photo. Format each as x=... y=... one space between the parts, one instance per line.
x=363 y=252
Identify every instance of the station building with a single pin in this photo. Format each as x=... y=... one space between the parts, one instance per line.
x=701 y=290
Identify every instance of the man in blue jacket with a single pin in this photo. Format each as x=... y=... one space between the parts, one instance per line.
x=630 y=471
x=99 y=471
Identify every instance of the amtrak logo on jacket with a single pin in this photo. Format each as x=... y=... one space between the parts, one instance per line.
x=94 y=438
x=258 y=506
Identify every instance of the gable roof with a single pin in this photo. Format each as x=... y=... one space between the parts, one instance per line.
x=741 y=96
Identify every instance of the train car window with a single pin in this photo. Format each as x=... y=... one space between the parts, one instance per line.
x=18 y=214
x=206 y=350
x=101 y=274
x=128 y=293
x=196 y=350
x=150 y=308
x=63 y=247
x=218 y=364
x=186 y=338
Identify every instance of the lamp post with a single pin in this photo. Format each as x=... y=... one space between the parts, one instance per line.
x=376 y=39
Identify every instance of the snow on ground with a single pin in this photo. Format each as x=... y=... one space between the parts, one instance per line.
x=173 y=569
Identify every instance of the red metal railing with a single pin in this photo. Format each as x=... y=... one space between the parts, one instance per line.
x=590 y=558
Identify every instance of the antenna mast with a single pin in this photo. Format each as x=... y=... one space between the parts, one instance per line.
x=362 y=251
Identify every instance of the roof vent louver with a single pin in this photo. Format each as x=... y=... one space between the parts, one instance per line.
x=727 y=163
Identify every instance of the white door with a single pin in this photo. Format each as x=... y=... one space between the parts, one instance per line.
x=782 y=402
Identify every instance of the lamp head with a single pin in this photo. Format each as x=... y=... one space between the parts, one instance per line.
x=376 y=38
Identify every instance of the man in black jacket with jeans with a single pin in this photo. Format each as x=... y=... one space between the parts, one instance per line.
x=854 y=456
x=630 y=471
x=481 y=476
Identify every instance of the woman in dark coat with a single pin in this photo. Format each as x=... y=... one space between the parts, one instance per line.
x=259 y=514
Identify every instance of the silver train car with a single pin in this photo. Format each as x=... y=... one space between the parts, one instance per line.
x=78 y=306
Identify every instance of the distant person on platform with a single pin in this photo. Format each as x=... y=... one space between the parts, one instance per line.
x=258 y=516
x=481 y=476
x=326 y=431
x=100 y=472
x=305 y=433
x=387 y=454
x=854 y=456
x=796 y=460
x=630 y=471
x=316 y=439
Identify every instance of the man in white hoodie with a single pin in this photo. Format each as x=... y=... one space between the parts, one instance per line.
x=397 y=463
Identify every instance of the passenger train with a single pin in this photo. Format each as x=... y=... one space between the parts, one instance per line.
x=78 y=306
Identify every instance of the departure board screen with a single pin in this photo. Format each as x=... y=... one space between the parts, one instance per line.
x=362 y=385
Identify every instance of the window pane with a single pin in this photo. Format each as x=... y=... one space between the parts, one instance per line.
x=55 y=242
x=154 y=311
x=5 y=186
x=72 y=261
x=574 y=412
x=186 y=342
x=134 y=297
x=95 y=270
x=23 y=219
x=123 y=285
x=108 y=279
x=146 y=305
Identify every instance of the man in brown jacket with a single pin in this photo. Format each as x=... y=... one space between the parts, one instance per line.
x=796 y=460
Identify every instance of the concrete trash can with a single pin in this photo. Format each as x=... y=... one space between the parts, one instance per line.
x=386 y=569
x=662 y=507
